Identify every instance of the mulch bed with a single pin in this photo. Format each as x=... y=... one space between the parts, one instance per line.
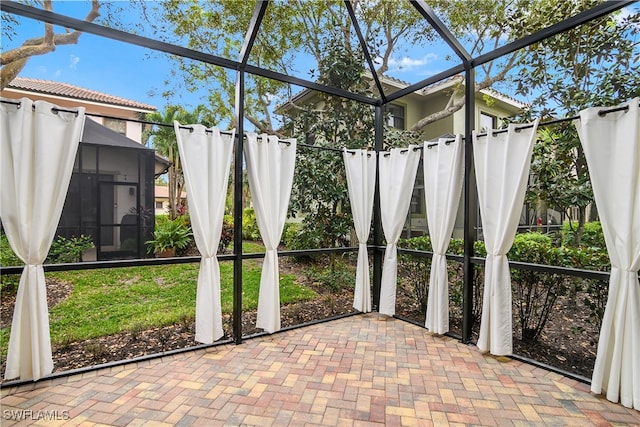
x=568 y=342
x=130 y=345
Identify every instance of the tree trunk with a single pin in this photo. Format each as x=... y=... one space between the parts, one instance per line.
x=582 y=210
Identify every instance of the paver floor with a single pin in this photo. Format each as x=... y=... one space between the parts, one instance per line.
x=364 y=370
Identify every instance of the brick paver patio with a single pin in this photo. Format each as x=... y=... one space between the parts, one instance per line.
x=359 y=371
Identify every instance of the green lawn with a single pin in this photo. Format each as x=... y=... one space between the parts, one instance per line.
x=108 y=301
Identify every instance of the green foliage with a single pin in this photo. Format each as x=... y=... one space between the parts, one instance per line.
x=62 y=250
x=594 y=64
x=170 y=234
x=535 y=293
x=250 y=230
x=65 y=250
x=337 y=276
x=297 y=237
x=108 y=301
x=561 y=177
x=416 y=270
x=290 y=229
x=320 y=195
x=163 y=139
x=595 y=291
x=7 y=256
x=592 y=235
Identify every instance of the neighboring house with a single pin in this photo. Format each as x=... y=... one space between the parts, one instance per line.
x=491 y=108
x=162 y=199
x=111 y=193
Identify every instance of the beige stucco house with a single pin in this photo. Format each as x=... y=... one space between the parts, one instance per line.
x=117 y=109
x=491 y=108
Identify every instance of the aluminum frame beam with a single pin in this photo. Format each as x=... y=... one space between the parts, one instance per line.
x=113 y=34
x=595 y=12
x=252 y=31
x=428 y=13
x=365 y=49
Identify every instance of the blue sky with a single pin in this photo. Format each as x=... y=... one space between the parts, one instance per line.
x=139 y=74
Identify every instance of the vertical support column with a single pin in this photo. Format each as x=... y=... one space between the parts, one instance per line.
x=469 y=204
x=377 y=218
x=237 y=209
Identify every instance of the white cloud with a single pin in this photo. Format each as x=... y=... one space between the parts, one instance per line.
x=411 y=64
x=73 y=61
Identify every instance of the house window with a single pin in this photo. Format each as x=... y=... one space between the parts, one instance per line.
x=395 y=116
x=487 y=121
x=116 y=125
x=418 y=203
x=159 y=205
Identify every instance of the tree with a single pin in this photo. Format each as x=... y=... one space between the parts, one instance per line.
x=388 y=26
x=165 y=143
x=300 y=29
x=14 y=60
x=592 y=65
x=302 y=26
x=320 y=185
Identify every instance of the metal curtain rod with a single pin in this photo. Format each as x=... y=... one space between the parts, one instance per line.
x=601 y=113
x=147 y=122
x=405 y=150
x=446 y=142
x=353 y=152
x=55 y=110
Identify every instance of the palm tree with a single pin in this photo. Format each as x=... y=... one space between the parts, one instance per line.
x=164 y=141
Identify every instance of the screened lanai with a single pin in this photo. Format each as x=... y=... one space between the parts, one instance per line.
x=485 y=171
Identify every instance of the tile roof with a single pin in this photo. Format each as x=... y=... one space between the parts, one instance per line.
x=71 y=91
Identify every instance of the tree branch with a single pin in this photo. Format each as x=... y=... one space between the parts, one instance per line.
x=452 y=106
x=14 y=60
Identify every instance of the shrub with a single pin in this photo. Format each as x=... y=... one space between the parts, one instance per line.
x=170 y=234
x=416 y=269
x=596 y=291
x=297 y=237
x=291 y=229
x=65 y=250
x=250 y=229
x=336 y=276
x=592 y=235
x=535 y=293
x=62 y=250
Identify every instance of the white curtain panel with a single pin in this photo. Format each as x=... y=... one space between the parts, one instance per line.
x=612 y=148
x=206 y=160
x=502 y=162
x=39 y=145
x=270 y=165
x=397 y=169
x=443 y=178
x=360 y=166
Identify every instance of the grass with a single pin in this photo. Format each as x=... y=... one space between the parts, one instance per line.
x=108 y=301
